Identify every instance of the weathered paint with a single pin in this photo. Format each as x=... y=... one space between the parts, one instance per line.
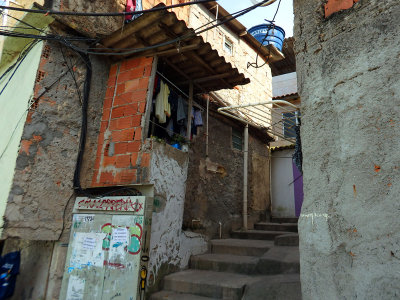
x=282 y=184
x=107 y=250
x=169 y=243
x=14 y=103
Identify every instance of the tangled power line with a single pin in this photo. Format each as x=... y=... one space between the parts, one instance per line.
x=84 y=53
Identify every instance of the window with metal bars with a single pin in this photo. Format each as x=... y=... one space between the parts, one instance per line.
x=237 y=139
x=289 y=123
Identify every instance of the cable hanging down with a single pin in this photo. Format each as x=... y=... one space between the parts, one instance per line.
x=84 y=54
x=112 y=14
x=67 y=40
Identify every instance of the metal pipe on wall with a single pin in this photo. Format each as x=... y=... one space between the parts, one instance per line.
x=245 y=170
x=189 y=124
x=208 y=106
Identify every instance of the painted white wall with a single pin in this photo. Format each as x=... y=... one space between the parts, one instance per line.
x=169 y=243
x=282 y=189
x=14 y=103
x=284 y=84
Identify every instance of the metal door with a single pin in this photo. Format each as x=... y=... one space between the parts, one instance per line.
x=107 y=250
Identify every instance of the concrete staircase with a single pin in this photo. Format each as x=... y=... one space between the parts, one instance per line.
x=253 y=265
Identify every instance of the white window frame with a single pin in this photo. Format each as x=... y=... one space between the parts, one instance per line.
x=229 y=42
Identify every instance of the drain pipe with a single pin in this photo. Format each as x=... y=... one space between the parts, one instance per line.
x=245 y=169
x=208 y=107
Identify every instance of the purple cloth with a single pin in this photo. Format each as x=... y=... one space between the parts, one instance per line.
x=298 y=189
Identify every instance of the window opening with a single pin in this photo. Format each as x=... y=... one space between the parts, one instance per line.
x=289 y=120
x=169 y=113
x=228 y=46
x=237 y=139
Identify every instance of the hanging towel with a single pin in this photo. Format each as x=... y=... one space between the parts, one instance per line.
x=162 y=106
x=198 y=119
x=170 y=128
x=182 y=109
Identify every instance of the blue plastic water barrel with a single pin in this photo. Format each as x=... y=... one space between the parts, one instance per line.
x=276 y=35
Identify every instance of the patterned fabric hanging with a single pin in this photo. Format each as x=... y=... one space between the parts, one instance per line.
x=132 y=5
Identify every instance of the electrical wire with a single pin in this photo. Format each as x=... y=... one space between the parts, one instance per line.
x=46 y=89
x=255 y=64
x=70 y=69
x=17 y=64
x=112 y=14
x=84 y=54
x=85 y=104
x=66 y=40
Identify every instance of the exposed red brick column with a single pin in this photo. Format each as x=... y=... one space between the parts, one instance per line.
x=121 y=157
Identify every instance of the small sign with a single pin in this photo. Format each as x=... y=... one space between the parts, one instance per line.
x=120 y=235
x=89 y=243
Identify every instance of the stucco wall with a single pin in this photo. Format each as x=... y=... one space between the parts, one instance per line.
x=38 y=204
x=170 y=246
x=348 y=71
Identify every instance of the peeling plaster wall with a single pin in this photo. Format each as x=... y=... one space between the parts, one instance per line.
x=348 y=72
x=14 y=102
x=170 y=246
x=39 y=203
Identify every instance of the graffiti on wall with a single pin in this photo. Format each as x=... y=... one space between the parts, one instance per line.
x=122 y=204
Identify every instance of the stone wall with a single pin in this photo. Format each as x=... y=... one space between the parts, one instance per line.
x=214 y=191
x=348 y=70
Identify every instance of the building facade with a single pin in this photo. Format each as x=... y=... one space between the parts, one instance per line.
x=122 y=156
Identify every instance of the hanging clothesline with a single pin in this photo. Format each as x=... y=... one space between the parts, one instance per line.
x=183 y=93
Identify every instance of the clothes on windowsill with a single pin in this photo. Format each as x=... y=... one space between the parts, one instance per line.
x=163 y=108
x=171 y=113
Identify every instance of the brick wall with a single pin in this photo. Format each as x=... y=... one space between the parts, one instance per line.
x=122 y=158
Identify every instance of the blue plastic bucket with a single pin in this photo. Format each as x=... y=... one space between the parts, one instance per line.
x=276 y=35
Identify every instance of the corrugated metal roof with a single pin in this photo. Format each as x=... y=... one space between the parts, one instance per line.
x=287 y=96
x=191 y=59
x=288 y=64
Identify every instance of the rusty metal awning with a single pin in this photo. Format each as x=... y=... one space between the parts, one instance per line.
x=190 y=59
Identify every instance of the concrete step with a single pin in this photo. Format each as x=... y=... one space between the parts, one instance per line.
x=284 y=220
x=168 y=295
x=257 y=234
x=225 y=263
x=291 y=239
x=208 y=283
x=277 y=287
x=241 y=247
x=280 y=260
x=290 y=227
